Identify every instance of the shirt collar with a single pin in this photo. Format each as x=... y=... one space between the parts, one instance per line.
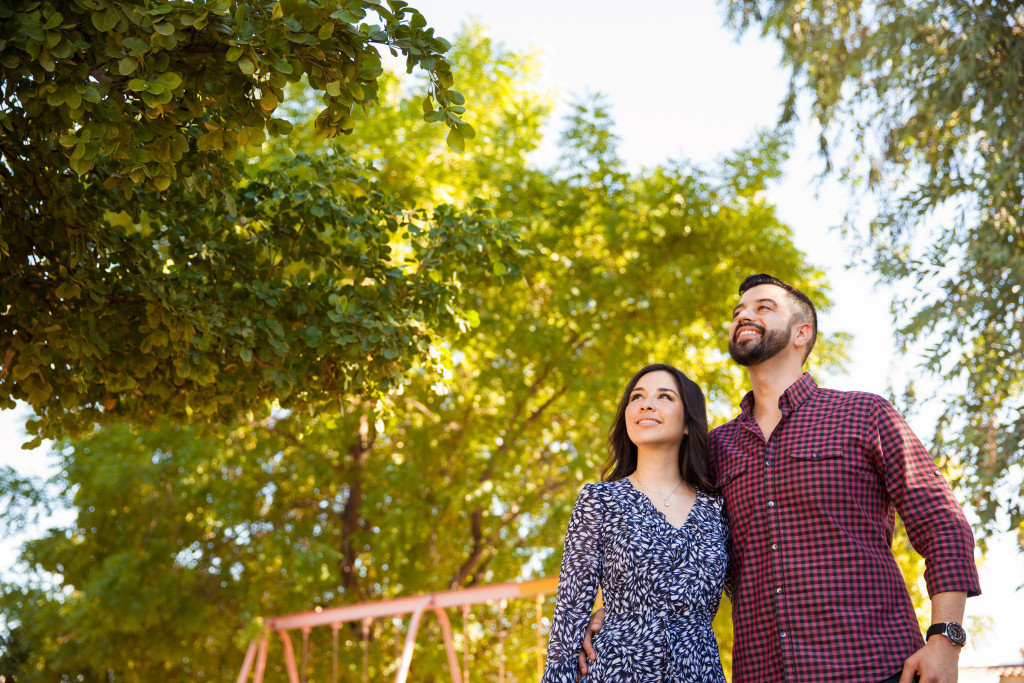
x=791 y=399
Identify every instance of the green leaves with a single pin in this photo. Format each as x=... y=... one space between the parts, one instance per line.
x=215 y=77
x=128 y=150
x=208 y=277
x=445 y=337
x=455 y=140
x=247 y=66
x=106 y=19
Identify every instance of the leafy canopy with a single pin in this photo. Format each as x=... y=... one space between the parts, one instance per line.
x=189 y=538
x=155 y=91
x=160 y=259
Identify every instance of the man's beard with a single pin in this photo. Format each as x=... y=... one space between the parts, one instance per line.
x=754 y=353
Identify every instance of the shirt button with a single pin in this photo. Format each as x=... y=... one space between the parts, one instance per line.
x=778 y=590
x=767 y=463
x=783 y=634
x=775 y=546
x=771 y=503
x=814 y=455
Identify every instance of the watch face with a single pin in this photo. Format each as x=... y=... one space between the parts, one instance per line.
x=956 y=633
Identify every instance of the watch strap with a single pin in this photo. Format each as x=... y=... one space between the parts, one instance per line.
x=951 y=629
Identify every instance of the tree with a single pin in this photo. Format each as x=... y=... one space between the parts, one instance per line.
x=932 y=93
x=155 y=262
x=453 y=481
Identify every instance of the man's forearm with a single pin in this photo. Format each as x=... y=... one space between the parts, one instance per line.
x=949 y=606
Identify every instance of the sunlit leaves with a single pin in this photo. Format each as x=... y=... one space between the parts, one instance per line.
x=462 y=472
x=161 y=263
x=257 y=282
x=220 y=61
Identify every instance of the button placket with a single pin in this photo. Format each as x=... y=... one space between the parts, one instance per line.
x=770 y=462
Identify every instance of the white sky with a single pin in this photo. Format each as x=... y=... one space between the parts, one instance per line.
x=681 y=86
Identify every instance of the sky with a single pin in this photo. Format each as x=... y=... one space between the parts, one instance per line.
x=683 y=86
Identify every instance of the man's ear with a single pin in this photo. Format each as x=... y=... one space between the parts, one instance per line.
x=804 y=333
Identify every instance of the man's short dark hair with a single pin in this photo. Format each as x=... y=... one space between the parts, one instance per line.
x=805 y=312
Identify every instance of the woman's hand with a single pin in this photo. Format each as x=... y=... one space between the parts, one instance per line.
x=589 y=654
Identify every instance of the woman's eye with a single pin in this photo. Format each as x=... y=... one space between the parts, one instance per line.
x=634 y=397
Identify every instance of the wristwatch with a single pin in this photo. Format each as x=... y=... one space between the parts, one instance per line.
x=952 y=630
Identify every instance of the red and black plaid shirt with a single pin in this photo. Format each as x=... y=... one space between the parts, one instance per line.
x=817 y=594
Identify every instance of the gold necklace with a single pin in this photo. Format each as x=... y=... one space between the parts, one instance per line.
x=665 y=498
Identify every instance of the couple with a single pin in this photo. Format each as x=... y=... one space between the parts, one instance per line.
x=800 y=489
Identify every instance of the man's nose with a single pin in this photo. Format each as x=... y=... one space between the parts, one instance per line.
x=742 y=316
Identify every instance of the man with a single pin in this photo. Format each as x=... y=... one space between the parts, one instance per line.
x=811 y=478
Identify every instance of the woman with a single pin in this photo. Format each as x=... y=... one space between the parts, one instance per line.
x=653 y=536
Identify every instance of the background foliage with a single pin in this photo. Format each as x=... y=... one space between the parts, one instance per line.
x=194 y=534
x=931 y=96
x=516 y=301
x=156 y=263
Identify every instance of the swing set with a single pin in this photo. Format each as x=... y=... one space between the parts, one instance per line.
x=417 y=605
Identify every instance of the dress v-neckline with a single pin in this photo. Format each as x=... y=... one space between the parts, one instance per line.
x=661 y=513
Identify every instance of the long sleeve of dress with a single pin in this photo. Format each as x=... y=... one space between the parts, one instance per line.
x=577 y=588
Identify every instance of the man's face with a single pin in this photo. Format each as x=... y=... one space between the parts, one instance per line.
x=761 y=325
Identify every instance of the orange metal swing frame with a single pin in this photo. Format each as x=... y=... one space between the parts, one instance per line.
x=416 y=605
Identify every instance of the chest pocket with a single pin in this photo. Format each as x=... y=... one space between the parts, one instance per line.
x=847 y=470
x=818 y=477
x=818 y=455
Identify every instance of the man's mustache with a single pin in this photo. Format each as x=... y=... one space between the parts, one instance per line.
x=754 y=326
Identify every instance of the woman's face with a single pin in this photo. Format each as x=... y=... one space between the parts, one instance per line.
x=654 y=414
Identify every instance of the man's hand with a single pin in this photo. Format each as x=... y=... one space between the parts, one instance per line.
x=936 y=662
x=589 y=654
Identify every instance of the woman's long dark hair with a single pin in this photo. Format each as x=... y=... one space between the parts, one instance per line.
x=694 y=465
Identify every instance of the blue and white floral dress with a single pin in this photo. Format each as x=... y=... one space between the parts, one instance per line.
x=661 y=587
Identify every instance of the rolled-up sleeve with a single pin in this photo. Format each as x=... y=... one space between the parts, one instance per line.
x=935 y=522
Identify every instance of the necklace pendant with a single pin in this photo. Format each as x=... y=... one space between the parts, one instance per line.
x=666 y=503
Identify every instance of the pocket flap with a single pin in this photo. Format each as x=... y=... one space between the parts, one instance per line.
x=816 y=454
